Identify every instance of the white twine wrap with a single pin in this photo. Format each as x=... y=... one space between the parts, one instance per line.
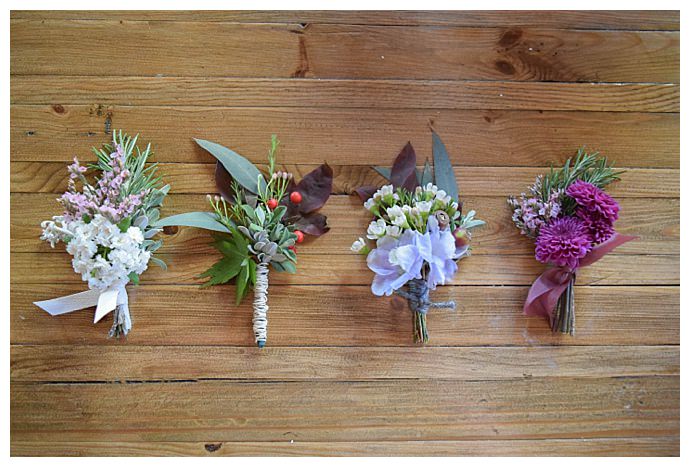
x=105 y=301
x=260 y=320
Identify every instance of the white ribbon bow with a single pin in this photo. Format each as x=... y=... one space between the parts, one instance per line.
x=105 y=301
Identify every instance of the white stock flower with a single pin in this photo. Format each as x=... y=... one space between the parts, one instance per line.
x=104 y=255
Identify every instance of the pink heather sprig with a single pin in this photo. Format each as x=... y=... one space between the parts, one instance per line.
x=530 y=212
x=106 y=197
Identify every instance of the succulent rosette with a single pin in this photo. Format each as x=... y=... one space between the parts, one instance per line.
x=107 y=227
x=418 y=232
x=571 y=220
x=257 y=221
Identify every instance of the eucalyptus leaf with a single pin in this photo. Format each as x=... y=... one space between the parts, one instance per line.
x=240 y=168
x=443 y=169
x=202 y=220
x=427 y=174
x=384 y=172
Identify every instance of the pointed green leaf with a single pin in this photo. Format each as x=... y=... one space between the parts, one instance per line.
x=443 y=169
x=241 y=284
x=427 y=175
x=240 y=168
x=222 y=271
x=202 y=220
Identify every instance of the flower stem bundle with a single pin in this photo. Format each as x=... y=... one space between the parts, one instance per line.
x=419 y=232
x=257 y=221
x=108 y=228
x=571 y=220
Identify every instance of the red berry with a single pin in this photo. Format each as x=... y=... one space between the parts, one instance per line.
x=292 y=247
x=272 y=203
x=300 y=236
x=296 y=197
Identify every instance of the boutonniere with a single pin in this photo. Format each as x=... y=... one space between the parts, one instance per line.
x=256 y=221
x=571 y=220
x=108 y=228
x=418 y=232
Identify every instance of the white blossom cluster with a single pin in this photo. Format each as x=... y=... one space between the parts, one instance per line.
x=104 y=255
x=394 y=216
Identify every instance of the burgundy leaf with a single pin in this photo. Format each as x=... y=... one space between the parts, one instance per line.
x=404 y=171
x=224 y=182
x=312 y=224
x=315 y=188
x=366 y=192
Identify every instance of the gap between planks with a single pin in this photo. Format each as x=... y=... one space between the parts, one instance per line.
x=75 y=363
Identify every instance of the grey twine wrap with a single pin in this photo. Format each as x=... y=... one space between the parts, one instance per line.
x=417 y=296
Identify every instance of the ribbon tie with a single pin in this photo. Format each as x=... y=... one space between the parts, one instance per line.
x=547 y=288
x=105 y=301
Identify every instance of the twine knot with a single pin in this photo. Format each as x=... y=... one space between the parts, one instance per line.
x=417 y=296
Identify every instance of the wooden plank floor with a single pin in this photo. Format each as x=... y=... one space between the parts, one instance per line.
x=510 y=92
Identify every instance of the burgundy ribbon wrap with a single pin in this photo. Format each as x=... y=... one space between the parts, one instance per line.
x=545 y=291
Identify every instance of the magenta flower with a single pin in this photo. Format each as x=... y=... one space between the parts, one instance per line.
x=600 y=228
x=563 y=242
x=594 y=200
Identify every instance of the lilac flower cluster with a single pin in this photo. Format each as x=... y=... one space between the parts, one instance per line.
x=530 y=212
x=564 y=241
x=105 y=198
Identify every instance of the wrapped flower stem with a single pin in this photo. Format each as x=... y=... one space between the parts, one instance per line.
x=417 y=296
x=570 y=218
x=260 y=320
x=257 y=221
x=418 y=232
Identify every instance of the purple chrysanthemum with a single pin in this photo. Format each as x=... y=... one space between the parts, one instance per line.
x=600 y=228
x=594 y=199
x=563 y=242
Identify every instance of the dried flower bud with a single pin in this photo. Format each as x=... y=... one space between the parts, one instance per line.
x=442 y=218
x=274 y=176
x=208 y=198
x=285 y=175
x=216 y=198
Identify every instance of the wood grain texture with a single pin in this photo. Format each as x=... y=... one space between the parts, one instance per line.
x=510 y=93
x=657 y=446
x=345 y=93
x=51 y=177
x=153 y=363
x=655 y=221
x=351 y=269
x=349 y=137
x=351 y=316
x=341 y=51
x=615 y=20
x=347 y=411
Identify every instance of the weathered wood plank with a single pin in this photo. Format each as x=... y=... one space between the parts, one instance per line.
x=351 y=316
x=656 y=221
x=207 y=49
x=352 y=270
x=343 y=411
x=618 y=447
x=615 y=20
x=51 y=177
x=149 y=363
x=349 y=137
x=342 y=93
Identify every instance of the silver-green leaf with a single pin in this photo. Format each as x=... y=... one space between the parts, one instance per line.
x=443 y=169
x=202 y=220
x=243 y=171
